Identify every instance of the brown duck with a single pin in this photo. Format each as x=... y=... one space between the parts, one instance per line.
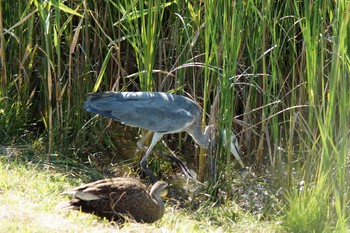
x=119 y=198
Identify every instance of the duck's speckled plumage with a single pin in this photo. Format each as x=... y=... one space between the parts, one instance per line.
x=115 y=198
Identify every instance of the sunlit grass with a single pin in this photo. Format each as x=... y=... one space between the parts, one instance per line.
x=30 y=192
x=309 y=208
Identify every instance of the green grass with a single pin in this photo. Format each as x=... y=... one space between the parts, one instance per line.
x=29 y=193
x=308 y=210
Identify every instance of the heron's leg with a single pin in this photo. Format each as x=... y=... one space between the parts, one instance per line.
x=236 y=152
x=143 y=163
x=142 y=141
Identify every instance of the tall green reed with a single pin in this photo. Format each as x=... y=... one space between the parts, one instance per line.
x=222 y=47
x=141 y=25
x=16 y=93
x=53 y=79
x=336 y=115
x=2 y=55
x=327 y=75
x=37 y=79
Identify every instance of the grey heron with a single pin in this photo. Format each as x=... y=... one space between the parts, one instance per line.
x=161 y=113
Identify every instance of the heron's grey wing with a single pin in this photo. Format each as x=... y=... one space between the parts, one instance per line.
x=159 y=112
x=99 y=103
x=153 y=115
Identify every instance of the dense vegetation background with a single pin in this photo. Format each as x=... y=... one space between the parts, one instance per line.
x=276 y=72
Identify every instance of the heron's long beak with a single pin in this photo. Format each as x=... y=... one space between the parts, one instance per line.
x=237 y=153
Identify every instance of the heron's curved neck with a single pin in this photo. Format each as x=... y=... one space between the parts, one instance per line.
x=202 y=138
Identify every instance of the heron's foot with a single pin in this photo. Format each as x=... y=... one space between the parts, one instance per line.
x=144 y=167
x=153 y=178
